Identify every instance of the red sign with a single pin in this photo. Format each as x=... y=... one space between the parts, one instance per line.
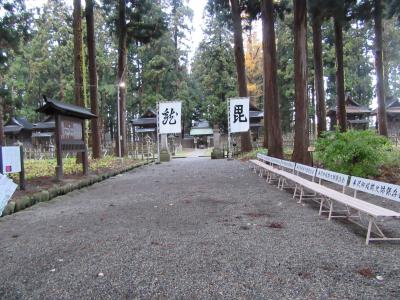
x=8 y=169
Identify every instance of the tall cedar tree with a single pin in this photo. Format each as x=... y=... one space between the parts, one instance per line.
x=341 y=117
x=122 y=57
x=13 y=25
x=380 y=87
x=301 y=136
x=131 y=24
x=240 y=65
x=272 y=121
x=94 y=105
x=316 y=20
x=339 y=10
x=78 y=59
x=375 y=8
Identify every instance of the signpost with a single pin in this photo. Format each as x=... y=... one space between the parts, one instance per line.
x=238 y=117
x=70 y=131
x=169 y=116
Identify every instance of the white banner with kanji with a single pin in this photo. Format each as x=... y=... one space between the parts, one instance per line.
x=239 y=114
x=169 y=117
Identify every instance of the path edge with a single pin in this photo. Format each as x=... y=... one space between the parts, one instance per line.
x=47 y=195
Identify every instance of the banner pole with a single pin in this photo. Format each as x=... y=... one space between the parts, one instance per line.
x=229 y=128
x=158 y=133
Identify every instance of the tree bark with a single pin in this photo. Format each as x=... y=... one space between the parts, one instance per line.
x=380 y=88
x=94 y=105
x=301 y=135
x=319 y=75
x=122 y=57
x=272 y=120
x=341 y=117
x=78 y=59
x=240 y=66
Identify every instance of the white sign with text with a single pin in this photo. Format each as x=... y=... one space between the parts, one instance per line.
x=169 y=117
x=305 y=170
x=331 y=176
x=239 y=114
x=382 y=189
x=10 y=159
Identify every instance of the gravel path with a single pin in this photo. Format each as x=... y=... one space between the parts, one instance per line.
x=191 y=228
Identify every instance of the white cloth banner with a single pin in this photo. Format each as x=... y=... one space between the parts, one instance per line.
x=7 y=189
x=169 y=117
x=239 y=114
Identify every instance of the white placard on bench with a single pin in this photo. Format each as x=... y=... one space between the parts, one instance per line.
x=305 y=169
x=275 y=161
x=338 y=178
x=382 y=189
x=288 y=164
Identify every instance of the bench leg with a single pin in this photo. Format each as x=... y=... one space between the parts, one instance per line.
x=330 y=210
x=301 y=194
x=321 y=206
x=368 y=232
x=282 y=183
x=295 y=191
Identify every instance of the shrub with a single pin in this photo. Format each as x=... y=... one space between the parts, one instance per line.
x=253 y=154
x=355 y=152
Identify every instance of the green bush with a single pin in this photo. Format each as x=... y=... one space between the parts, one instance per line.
x=253 y=154
x=355 y=152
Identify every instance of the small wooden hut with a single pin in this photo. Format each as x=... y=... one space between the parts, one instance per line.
x=202 y=133
x=18 y=130
x=357 y=115
x=393 y=116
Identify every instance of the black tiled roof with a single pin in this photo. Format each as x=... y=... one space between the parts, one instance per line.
x=21 y=122
x=53 y=106
x=12 y=129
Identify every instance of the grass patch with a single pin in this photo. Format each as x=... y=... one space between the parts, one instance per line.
x=46 y=167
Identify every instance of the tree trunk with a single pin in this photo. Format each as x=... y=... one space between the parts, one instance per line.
x=122 y=52
x=301 y=135
x=2 y=137
x=272 y=120
x=380 y=89
x=341 y=117
x=94 y=105
x=319 y=75
x=240 y=66
x=78 y=59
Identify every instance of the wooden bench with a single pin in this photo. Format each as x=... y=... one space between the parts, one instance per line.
x=376 y=213
x=333 y=197
x=333 y=177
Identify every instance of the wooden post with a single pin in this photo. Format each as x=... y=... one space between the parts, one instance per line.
x=85 y=160
x=59 y=167
x=22 y=173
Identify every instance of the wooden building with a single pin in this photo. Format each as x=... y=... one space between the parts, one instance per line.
x=18 y=130
x=357 y=115
x=392 y=115
x=202 y=133
x=146 y=124
x=43 y=132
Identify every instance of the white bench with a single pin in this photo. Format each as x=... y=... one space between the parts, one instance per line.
x=363 y=208
x=333 y=177
x=300 y=182
x=375 y=212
